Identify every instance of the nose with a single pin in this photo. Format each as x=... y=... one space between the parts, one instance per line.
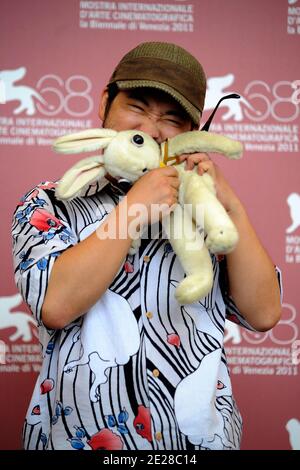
x=151 y=127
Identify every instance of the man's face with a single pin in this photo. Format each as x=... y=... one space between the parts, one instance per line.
x=148 y=110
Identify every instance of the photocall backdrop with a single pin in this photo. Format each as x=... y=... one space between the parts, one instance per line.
x=56 y=57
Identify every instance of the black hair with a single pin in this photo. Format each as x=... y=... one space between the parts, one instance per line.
x=113 y=90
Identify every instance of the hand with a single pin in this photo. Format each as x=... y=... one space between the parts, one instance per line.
x=202 y=160
x=157 y=191
x=225 y=193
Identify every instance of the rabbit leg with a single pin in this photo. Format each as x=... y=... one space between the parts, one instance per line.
x=189 y=246
x=207 y=211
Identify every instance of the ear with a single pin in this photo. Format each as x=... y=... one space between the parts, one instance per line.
x=202 y=141
x=79 y=177
x=21 y=72
x=103 y=104
x=85 y=141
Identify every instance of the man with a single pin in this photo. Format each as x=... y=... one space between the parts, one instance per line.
x=125 y=366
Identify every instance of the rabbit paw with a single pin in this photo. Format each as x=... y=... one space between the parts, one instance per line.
x=222 y=240
x=193 y=288
x=134 y=248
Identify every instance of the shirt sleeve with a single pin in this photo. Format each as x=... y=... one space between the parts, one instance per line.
x=41 y=231
x=232 y=312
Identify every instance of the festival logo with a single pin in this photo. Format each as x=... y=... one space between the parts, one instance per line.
x=217 y=87
x=24 y=95
x=29 y=112
x=23 y=323
x=292 y=239
x=265 y=116
x=293 y=201
x=293 y=428
x=19 y=350
x=274 y=352
x=232 y=333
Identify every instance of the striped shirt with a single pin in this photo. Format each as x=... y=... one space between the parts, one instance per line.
x=137 y=371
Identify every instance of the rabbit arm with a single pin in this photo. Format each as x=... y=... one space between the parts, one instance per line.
x=201 y=141
x=85 y=141
x=79 y=176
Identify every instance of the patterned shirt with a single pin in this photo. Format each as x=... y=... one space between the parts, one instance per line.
x=137 y=371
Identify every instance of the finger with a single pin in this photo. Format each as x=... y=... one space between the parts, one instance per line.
x=206 y=156
x=206 y=167
x=197 y=156
x=190 y=163
x=174 y=182
x=174 y=198
x=202 y=157
x=183 y=157
x=169 y=170
x=175 y=194
x=195 y=159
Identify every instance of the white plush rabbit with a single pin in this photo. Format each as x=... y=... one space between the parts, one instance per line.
x=129 y=154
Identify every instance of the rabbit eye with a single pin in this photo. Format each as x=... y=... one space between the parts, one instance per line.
x=137 y=140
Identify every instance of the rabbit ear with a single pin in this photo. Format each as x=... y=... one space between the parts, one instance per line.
x=85 y=141
x=79 y=177
x=202 y=141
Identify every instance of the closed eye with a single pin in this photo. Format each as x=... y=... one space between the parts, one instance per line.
x=173 y=121
x=136 y=107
